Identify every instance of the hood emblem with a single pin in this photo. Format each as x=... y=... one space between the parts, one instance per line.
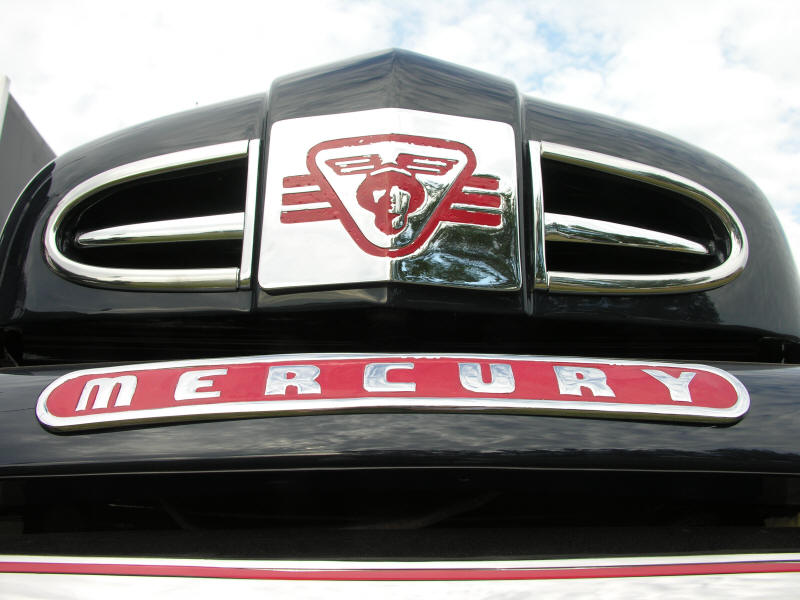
x=390 y=204
x=377 y=185
x=299 y=384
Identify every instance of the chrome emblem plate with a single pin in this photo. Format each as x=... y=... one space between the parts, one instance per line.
x=390 y=195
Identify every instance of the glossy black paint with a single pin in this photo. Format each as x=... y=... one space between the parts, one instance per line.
x=32 y=291
x=50 y=319
x=764 y=441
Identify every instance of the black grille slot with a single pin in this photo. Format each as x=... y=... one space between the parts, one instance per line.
x=583 y=192
x=205 y=191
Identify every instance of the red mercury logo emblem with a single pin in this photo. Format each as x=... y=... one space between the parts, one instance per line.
x=375 y=184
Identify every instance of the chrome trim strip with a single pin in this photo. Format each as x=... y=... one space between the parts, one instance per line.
x=253 y=164
x=488 y=405
x=212 y=227
x=638 y=284
x=141 y=279
x=738 y=586
x=630 y=578
x=5 y=84
x=349 y=565
x=540 y=279
x=567 y=228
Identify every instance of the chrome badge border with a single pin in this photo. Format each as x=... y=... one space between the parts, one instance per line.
x=290 y=256
x=394 y=404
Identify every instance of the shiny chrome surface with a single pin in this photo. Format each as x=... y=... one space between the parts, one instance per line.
x=501 y=379
x=721 y=576
x=539 y=260
x=322 y=227
x=4 y=85
x=143 y=279
x=251 y=199
x=568 y=228
x=758 y=586
x=301 y=377
x=102 y=389
x=212 y=227
x=678 y=386
x=572 y=380
x=376 y=378
x=192 y=384
x=557 y=281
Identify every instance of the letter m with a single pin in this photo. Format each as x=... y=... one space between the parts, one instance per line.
x=105 y=387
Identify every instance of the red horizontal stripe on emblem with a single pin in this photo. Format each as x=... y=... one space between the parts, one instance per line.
x=461 y=215
x=481 y=182
x=299 y=181
x=306 y=216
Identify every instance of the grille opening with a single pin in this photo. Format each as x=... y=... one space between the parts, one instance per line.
x=583 y=192
x=176 y=255
x=203 y=191
x=592 y=258
x=416 y=513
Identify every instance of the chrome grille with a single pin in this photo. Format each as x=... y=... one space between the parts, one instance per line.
x=575 y=251
x=86 y=241
x=663 y=234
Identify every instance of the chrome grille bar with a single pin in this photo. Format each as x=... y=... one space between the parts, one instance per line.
x=568 y=228
x=577 y=229
x=198 y=279
x=213 y=227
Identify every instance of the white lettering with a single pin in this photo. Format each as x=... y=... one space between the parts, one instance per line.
x=375 y=378
x=678 y=386
x=572 y=379
x=190 y=382
x=302 y=377
x=501 y=378
x=105 y=386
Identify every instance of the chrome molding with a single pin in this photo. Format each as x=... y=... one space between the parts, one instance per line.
x=568 y=228
x=547 y=227
x=539 y=260
x=212 y=227
x=4 y=86
x=359 y=567
x=143 y=279
x=737 y=576
x=253 y=162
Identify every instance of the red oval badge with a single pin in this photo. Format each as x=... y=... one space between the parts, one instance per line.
x=307 y=384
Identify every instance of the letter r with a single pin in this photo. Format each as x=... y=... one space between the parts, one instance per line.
x=302 y=377
x=572 y=379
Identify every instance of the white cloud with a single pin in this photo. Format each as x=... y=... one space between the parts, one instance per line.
x=83 y=69
x=722 y=75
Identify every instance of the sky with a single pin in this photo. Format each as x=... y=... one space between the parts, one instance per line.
x=721 y=75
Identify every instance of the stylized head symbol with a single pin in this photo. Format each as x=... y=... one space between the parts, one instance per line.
x=391 y=194
x=391 y=190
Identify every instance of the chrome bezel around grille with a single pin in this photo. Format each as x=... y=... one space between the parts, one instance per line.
x=195 y=279
x=609 y=283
